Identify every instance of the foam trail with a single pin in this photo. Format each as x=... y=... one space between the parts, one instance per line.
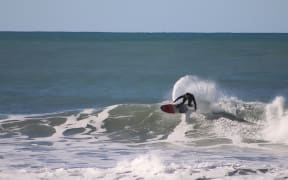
x=178 y=135
x=98 y=121
x=72 y=122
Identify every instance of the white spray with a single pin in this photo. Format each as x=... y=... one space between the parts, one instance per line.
x=276 y=127
x=205 y=92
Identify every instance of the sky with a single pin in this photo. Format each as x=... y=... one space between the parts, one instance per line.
x=145 y=15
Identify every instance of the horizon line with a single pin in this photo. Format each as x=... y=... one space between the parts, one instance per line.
x=141 y=32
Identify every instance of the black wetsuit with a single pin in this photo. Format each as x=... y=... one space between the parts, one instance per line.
x=188 y=96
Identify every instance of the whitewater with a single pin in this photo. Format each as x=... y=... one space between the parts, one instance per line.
x=226 y=138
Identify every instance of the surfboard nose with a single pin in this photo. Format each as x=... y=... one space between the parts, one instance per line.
x=168 y=108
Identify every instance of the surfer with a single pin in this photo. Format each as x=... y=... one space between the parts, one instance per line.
x=187 y=96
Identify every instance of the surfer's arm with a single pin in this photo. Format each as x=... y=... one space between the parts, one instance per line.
x=178 y=98
x=194 y=101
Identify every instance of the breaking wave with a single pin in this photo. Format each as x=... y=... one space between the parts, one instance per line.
x=220 y=120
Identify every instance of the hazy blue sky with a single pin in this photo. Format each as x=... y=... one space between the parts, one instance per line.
x=145 y=15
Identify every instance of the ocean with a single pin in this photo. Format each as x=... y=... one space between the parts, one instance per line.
x=87 y=106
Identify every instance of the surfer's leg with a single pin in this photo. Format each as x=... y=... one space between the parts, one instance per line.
x=190 y=102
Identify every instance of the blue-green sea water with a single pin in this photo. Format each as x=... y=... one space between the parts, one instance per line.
x=86 y=105
x=47 y=72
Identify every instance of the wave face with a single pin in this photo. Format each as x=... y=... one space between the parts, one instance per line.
x=220 y=120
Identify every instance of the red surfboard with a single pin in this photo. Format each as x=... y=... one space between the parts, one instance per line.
x=168 y=108
x=171 y=108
